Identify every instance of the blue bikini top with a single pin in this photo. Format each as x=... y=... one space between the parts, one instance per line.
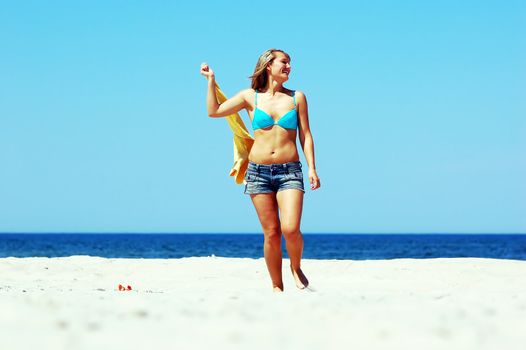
x=262 y=119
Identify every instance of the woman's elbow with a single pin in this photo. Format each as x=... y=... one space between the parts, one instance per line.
x=216 y=113
x=213 y=114
x=308 y=136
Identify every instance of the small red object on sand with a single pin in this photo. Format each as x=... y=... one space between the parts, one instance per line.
x=122 y=288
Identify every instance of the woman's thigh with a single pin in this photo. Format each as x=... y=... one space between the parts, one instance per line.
x=290 y=203
x=267 y=209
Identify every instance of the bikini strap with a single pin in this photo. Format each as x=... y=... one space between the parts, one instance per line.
x=256 y=99
x=294 y=98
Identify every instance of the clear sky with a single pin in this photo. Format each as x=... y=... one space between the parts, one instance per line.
x=417 y=108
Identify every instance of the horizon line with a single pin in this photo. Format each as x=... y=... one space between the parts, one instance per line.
x=259 y=233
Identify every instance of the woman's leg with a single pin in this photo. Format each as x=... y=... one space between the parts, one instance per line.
x=267 y=210
x=290 y=204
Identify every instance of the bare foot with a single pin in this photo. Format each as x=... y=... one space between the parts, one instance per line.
x=301 y=281
x=278 y=289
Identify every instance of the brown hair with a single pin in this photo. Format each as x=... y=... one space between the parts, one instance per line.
x=260 y=77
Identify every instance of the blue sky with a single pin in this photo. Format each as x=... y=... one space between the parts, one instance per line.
x=417 y=111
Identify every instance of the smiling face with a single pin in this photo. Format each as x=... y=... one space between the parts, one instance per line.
x=279 y=68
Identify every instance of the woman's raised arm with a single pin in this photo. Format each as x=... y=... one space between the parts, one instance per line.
x=230 y=106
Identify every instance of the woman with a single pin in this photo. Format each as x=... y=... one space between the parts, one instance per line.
x=274 y=179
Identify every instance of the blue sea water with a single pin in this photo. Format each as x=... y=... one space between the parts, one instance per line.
x=316 y=246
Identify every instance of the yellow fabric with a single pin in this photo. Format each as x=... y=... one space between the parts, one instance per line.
x=243 y=141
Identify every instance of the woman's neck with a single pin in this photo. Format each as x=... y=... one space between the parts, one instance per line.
x=273 y=86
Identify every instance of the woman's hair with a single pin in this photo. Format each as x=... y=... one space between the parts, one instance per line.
x=260 y=77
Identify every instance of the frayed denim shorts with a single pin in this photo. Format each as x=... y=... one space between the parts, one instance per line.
x=268 y=178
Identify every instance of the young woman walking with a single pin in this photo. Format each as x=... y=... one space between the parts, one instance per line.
x=274 y=179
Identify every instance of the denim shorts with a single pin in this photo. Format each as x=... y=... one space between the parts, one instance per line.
x=268 y=178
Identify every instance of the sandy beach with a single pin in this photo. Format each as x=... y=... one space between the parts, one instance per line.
x=228 y=303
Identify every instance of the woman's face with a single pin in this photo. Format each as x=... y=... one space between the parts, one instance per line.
x=279 y=69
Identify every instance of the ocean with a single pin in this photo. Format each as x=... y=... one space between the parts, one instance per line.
x=316 y=246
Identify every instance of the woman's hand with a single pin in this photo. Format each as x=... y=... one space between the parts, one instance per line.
x=206 y=71
x=314 y=179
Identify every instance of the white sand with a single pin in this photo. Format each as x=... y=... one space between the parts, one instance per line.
x=225 y=303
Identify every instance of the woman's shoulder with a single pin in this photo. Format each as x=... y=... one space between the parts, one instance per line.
x=299 y=95
x=292 y=93
x=247 y=93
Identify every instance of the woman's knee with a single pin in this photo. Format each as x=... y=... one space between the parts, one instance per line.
x=291 y=231
x=272 y=235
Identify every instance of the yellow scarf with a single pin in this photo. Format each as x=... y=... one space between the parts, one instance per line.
x=243 y=141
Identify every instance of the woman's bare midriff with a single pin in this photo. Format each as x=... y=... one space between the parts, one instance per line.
x=274 y=145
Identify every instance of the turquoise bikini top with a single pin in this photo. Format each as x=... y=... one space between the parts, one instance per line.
x=262 y=119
